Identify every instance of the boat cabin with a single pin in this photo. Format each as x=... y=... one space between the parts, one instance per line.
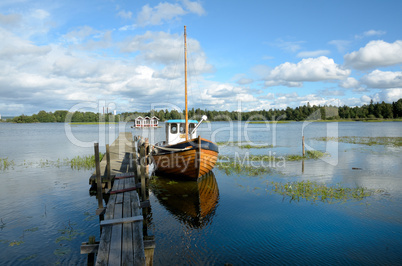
x=176 y=130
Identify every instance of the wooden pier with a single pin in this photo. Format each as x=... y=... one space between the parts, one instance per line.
x=122 y=222
x=120 y=160
x=122 y=238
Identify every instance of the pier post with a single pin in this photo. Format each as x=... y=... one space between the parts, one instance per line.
x=108 y=167
x=303 y=146
x=134 y=160
x=98 y=177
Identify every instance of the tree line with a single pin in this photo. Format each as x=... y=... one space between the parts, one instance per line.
x=306 y=112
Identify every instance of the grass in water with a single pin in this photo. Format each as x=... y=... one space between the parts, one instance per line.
x=77 y=163
x=84 y=162
x=5 y=164
x=247 y=145
x=245 y=169
x=389 y=141
x=314 y=191
x=271 y=158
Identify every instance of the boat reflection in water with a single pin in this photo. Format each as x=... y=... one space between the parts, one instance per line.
x=192 y=202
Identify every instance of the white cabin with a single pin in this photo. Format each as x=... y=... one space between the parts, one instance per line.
x=176 y=130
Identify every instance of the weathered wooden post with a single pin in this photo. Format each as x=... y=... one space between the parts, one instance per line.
x=304 y=154
x=144 y=167
x=108 y=167
x=134 y=160
x=98 y=177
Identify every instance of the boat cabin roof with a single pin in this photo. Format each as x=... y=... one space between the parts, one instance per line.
x=181 y=121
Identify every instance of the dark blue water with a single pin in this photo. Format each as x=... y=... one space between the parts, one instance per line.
x=46 y=211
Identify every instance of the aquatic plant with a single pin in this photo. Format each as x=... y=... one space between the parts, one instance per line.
x=245 y=145
x=68 y=233
x=314 y=191
x=389 y=141
x=84 y=162
x=273 y=158
x=242 y=168
x=5 y=164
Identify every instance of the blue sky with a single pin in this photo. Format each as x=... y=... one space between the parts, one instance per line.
x=243 y=55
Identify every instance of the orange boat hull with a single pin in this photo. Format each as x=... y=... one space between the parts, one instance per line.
x=192 y=163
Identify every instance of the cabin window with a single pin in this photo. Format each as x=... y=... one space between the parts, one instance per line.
x=173 y=128
x=182 y=128
x=191 y=127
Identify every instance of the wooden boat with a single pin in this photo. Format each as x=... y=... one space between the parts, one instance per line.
x=183 y=154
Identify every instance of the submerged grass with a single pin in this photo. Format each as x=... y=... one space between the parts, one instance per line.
x=314 y=191
x=272 y=158
x=388 y=141
x=247 y=145
x=5 y=164
x=77 y=163
x=242 y=168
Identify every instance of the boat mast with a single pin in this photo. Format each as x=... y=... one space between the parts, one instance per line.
x=185 y=79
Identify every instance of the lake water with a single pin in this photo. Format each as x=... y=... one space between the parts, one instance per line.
x=229 y=217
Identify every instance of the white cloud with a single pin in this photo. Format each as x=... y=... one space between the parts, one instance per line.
x=375 y=54
x=388 y=95
x=341 y=45
x=194 y=7
x=244 y=97
x=244 y=81
x=167 y=11
x=350 y=83
x=313 y=53
x=12 y=46
x=125 y=14
x=289 y=46
x=164 y=48
x=370 y=33
x=10 y=20
x=156 y=15
x=383 y=79
x=311 y=69
x=40 y=14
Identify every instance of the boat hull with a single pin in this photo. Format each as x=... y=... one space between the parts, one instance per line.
x=190 y=159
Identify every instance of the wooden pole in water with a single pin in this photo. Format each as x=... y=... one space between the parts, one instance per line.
x=304 y=153
x=142 y=171
x=185 y=78
x=98 y=176
x=135 y=161
x=109 y=181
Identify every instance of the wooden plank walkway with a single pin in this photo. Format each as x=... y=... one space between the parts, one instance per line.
x=120 y=152
x=121 y=240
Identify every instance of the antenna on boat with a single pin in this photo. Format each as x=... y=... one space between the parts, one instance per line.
x=185 y=79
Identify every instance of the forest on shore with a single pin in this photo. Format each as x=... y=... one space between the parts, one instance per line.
x=370 y=111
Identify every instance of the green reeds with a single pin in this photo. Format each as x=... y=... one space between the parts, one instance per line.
x=314 y=191
x=273 y=158
x=242 y=168
x=388 y=141
x=84 y=162
x=247 y=145
x=77 y=163
x=5 y=164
